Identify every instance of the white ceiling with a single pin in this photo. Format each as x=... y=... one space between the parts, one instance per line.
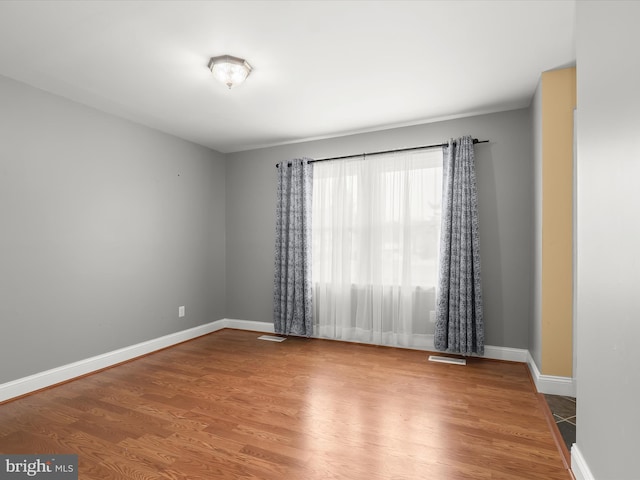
x=321 y=68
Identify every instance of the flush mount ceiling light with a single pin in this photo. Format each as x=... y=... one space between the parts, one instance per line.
x=230 y=70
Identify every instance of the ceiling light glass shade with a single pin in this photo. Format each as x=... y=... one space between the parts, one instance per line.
x=230 y=70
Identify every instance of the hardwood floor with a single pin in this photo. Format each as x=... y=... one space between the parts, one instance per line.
x=229 y=406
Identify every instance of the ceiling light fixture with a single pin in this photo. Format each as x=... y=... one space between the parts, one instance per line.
x=230 y=70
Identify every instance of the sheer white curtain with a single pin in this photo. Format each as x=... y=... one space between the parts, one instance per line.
x=375 y=235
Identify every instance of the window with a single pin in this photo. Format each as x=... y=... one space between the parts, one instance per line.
x=375 y=233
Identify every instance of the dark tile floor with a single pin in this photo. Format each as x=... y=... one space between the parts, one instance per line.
x=564 y=413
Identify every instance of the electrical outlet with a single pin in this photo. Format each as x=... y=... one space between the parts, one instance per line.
x=432 y=316
x=181 y=311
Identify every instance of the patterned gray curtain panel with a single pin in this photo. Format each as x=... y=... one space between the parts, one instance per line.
x=459 y=321
x=292 y=292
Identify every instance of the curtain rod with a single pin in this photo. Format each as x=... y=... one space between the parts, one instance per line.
x=475 y=140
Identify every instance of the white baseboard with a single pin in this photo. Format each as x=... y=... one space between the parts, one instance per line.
x=501 y=353
x=249 y=325
x=550 y=384
x=579 y=466
x=494 y=353
x=506 y=353
x=22 y=386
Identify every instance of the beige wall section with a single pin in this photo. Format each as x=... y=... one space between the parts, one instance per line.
x=558 y=103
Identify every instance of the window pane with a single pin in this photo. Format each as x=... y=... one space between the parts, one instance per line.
x=377 y=221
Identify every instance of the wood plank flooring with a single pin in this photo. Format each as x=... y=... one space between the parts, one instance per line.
x=229 y=406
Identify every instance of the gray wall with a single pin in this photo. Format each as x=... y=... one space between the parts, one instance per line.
x=608 y=262
x=535 y=316
x=107 y=227
x=505 y=192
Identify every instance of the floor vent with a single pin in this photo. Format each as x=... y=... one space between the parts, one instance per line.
x=271 y=338
x=454 y=361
